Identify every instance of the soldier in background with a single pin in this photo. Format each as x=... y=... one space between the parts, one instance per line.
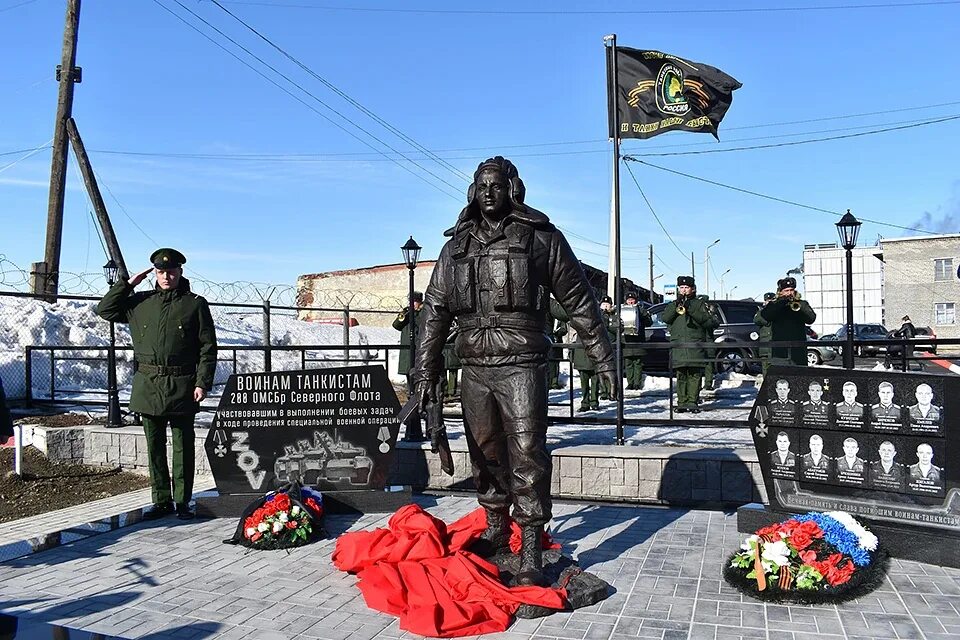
x=764 y=334
x=452 y=365
x=710 y=366
x=788 y=316
x=612 y=320
x=557 y=330
x=632 y=354
x=688 y=317
x=404 y=365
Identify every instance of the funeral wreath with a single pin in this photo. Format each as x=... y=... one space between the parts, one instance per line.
x=810 y=558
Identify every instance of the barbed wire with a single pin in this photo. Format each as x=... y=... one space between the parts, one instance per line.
x=15 y=278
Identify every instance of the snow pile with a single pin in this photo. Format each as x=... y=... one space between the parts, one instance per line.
x=27 y=322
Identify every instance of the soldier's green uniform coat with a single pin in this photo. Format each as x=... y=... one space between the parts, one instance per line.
x=171 y=329
x=688 y=361
x=788 y=325
x=709 y=369
x=402 y=324
x=765 y=333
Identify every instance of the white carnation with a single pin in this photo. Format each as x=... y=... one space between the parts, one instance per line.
x=776 y=552
x=263 y=526
x=294 y=509
x=748 y=543
x=277 y=527
x=250 y=531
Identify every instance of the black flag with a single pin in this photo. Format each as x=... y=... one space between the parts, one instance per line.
x=657 y=92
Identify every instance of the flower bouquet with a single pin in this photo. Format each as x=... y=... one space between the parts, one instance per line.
x=282 y=519
x=810 y=558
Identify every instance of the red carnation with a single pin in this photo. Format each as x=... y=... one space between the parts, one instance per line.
x=839 y=575
x=800 y=539
x=291 y=524
x=313 y=506
x=808 y=557
x=281 y=502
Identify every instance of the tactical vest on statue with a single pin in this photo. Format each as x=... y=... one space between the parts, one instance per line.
x=496 y=279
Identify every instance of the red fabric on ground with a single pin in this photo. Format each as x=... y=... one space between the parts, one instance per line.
x=418 y=569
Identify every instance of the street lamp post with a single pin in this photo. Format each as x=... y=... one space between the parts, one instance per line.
x=706 y=267
x=849 y=227
x=114 y=418
x=411 y=254
x=722 y=275
x=732 y=289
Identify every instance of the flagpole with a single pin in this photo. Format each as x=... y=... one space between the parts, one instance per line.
x=612 y=102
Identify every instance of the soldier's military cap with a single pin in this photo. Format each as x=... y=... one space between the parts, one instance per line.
x=768 y=296
x=167 y=258
x=685 y=280
x=606 y=299
x=630 y=294
x=787 y=283
x=418 y=296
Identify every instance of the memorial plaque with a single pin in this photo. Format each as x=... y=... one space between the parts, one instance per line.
x=876 y=444
x=333 y=428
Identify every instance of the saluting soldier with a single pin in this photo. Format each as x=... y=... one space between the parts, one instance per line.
x=764 y=332
x=633 y=354
x=688 y=318
x=175 y=353
x=788 y=316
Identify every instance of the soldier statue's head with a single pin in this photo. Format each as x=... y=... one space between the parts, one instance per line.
x=497 y=188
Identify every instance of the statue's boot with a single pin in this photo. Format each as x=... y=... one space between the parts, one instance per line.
x=496 y=538
x=531 y=558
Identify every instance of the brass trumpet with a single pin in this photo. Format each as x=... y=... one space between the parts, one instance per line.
x=795 y=302
x=681 y=306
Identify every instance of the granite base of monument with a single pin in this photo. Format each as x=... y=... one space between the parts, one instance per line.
x=902 y=543
x=361 y=501
x=583 y=588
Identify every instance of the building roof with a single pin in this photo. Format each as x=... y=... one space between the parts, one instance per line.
x=374 y=269
x=946 y=236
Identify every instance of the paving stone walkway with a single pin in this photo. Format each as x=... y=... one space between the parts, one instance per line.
x=176 y=580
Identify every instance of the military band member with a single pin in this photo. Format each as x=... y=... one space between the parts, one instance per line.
x=404 y=364
x=452 y=364
x=709 y=367
x=815 y=411
x=885 y=414
x=688 y=317
x=850 y=467
x=815 y=465
x=789 y=316
x=611 y=318
x=925 y=477
x=849 y=412
x=924 y=416
x=632 y=354
x=885 y=473
x=764 y=331
x=782 y=408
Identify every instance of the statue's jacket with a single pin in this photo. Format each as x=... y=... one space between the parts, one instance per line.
x=497 y=284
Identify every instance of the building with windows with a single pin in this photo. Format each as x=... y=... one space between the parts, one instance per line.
x=824 y=282
x=921 y=280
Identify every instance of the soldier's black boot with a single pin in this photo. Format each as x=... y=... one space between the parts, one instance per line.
x=496 y=538
x=158 y=511
x=531 y=558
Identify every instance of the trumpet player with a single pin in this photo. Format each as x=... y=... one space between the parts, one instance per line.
x=689 y=320
x=788 y=316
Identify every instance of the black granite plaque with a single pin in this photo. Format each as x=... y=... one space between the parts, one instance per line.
x=882 y=448
x=333 y=428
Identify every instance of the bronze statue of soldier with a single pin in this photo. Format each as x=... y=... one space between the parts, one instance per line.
x=494 y=276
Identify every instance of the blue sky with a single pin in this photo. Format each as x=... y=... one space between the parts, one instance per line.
x=466 y=86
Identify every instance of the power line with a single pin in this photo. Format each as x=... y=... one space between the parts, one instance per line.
x=123 y=209
x=307 y=92
x=386 y=157
x=28 y=153
x=342 y=94
x=523 y=12
x=19 y=4
x=656 y=217
x=799 y=142
x=773 y=198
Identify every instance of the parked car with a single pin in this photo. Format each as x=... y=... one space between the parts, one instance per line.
x=733 y=337
x=820 y=353
x=861 y=332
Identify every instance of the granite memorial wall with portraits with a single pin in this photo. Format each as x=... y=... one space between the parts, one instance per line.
x=876 y=444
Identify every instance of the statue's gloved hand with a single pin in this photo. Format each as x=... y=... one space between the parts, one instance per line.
x=426 y=393
x=609 y=378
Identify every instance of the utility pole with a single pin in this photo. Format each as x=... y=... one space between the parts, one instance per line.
x=90 y=180
x=48 y=273
x=651 y=274
x=693 y=269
